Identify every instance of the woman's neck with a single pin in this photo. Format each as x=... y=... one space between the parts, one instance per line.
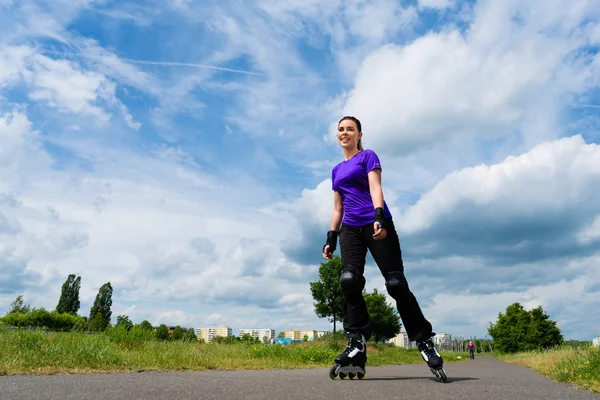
x=349 y=153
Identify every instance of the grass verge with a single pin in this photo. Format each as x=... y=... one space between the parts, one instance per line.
x=38 y=352
x=580 y=366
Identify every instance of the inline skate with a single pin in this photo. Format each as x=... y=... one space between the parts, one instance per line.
x=432 y=358
x=352 y=360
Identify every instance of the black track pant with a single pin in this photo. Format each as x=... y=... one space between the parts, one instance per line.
x=354 y=242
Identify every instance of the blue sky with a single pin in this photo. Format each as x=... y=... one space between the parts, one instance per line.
x=182 y=150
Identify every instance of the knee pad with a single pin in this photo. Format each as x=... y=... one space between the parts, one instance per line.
x=351 y=280
x=396 y=284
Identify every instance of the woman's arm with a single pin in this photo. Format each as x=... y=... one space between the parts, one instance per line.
x=377 y=196
x=375 y=188
x=338 y=212
x=336 y=220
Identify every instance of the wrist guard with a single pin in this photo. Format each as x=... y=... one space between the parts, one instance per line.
x=379 y=217
x=331 y=241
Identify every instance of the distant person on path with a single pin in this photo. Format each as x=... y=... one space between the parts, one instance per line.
x=363 y=222
x=471 y=347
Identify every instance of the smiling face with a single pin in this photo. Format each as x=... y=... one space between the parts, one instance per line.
x=348 y=134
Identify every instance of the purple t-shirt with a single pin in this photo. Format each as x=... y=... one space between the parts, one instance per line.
x=350 y=179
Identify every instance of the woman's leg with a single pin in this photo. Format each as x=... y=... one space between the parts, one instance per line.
x=353 y=250
x=388 y=256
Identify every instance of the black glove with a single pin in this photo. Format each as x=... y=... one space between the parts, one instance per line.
x=331 y=241
x=379 y=217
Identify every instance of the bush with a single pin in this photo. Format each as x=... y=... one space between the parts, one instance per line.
x=49 y=320
x=132 y=338
x=162 y=332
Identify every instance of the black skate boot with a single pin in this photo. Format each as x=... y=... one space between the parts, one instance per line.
x=432 y=358
x=352 y=360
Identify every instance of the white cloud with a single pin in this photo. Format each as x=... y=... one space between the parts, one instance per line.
x=533 y=207
x=590 y=232
x=437 y=4
x=159 y=230
x=509 y=72
x=26 y=20
x=62 y=84
x=109 y=64
x=312 y=215
x=371 y=22
x=565 y=301
x=21 y=155
x=264 y=40
x=350 y=29
x=553 y=180
x=12 y=62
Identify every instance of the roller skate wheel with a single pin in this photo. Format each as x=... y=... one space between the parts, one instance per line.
x=351 y=375
x=360 y=375
x=442 y=375
x=333 y=372
x=342 y=375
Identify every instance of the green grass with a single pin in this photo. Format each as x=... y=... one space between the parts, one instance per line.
x=580 y=366
x=37 y=352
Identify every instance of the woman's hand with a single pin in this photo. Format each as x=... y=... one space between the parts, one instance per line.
x=327 y=254
x=380 y=233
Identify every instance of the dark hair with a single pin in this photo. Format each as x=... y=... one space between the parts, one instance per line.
x=358 y=126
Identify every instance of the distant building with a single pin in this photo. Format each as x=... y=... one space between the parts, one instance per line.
x=443 y=339
x=172 y=328
x=298 y=335
x=261 y=334
x=596 y=342
x=208 y=333
x=401 y=340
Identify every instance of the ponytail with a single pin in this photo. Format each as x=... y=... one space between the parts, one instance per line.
x=360 y=148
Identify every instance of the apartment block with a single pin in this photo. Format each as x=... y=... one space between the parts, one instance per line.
x=208 y=333
x=401 y=340
x=442 y=339
x=260 y=333
x=299 y=334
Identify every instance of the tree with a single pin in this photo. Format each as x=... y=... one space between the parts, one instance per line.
x=521 y=330
x=125 y=322
x=246 y=337
x=281 y=334
x=190 y=335
x=102 y=304
x=69 y=296
x=543 y=330
x=384 y=318
x=510 y=331
x=97 y=324
x=327 y=291
x=145 y=325
x=177 y=333
x=162 y=332
x=18 y=306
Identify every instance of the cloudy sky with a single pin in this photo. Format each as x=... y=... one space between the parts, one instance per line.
x=182 y=150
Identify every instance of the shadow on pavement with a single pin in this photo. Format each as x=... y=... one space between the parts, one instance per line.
x=408 y=378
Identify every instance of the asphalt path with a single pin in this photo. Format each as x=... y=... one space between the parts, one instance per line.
x=482 y=378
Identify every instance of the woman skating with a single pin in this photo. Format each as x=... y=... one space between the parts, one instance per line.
x=362 y=221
